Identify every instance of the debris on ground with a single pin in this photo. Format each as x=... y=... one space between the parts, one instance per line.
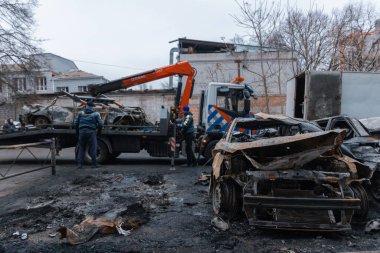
x=154 y=180
x=190 y=204
x=175 y=216
x=219 y=223
x=372 y=225
x=85 y=230
x=24 y=236
x=204 y=178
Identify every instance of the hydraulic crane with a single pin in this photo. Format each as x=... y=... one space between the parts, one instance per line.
x=181 y=69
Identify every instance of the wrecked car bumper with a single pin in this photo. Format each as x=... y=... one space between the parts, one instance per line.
x=306 y=206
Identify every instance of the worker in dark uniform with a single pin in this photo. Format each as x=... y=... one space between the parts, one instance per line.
x=188 y=134
x=87 y=123
x=9 y=126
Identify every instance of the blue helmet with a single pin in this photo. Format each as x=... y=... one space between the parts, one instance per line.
x=186 y=108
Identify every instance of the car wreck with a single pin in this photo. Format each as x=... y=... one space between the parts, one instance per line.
x=373 y=126
x=285 y=173
x=361 y=144
x=111 y=112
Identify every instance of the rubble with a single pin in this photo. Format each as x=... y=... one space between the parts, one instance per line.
x=180 y=221
x=219 y=223
x=154 y=180
x=85 y=230
x=372 y=225
x=24 y=236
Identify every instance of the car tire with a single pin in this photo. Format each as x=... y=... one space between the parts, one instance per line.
x=360 y=193
x=374 y=188
x=208 y=150
x=226 y=198
x=41 y=122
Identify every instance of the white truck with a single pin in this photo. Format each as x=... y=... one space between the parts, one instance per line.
x=220 y=104
x=318 y=94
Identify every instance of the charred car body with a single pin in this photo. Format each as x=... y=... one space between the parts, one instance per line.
x=373 y=126
x=288 y=174
x=63 y=116
x=360 y=144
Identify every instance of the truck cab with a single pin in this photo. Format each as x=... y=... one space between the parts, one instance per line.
x=219 y=105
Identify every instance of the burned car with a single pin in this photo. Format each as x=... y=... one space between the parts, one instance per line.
x=359 y=144
x=111 y=112
x=373 y=126
x=285 y=173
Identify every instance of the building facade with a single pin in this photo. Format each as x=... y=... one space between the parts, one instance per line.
x=223 y=62
x=54 y=74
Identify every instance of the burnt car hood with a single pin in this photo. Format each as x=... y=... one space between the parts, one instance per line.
x=291 y=152
x=286 y=144
x=285 y=152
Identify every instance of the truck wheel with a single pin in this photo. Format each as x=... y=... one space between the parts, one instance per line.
x=226 y=198
x=102 y=154
x=361 y=194
x=208 y=150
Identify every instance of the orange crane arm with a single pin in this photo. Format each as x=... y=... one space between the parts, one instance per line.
x=180 y=68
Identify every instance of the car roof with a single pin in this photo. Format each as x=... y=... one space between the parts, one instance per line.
x=263 y=120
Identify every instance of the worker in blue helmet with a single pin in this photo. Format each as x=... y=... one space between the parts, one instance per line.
x=87 y=123
x=188 y=134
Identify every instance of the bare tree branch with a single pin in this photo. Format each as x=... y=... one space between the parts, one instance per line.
x=261 y=21
x=17 y=44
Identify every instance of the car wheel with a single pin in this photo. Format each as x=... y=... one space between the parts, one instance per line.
x=374 y=188
x=226 y=198
x=41 y=122
x=360 y=193
x=102 y=154
x=208 y=150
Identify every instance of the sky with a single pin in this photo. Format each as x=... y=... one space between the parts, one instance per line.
x=117 y=38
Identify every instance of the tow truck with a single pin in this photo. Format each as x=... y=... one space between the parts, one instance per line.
x=220 y=103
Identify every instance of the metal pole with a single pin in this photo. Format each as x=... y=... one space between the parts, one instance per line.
x=173 y=146
x=176 y=105
x=52 y=150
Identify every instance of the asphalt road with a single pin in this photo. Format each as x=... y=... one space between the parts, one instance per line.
x=174 y=208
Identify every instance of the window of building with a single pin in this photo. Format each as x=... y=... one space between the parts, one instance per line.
x=63 y=89
x=82 y=88
x=19 y=84
x=40 y=83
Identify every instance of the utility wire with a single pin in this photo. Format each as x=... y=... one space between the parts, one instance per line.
x=110 y=65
